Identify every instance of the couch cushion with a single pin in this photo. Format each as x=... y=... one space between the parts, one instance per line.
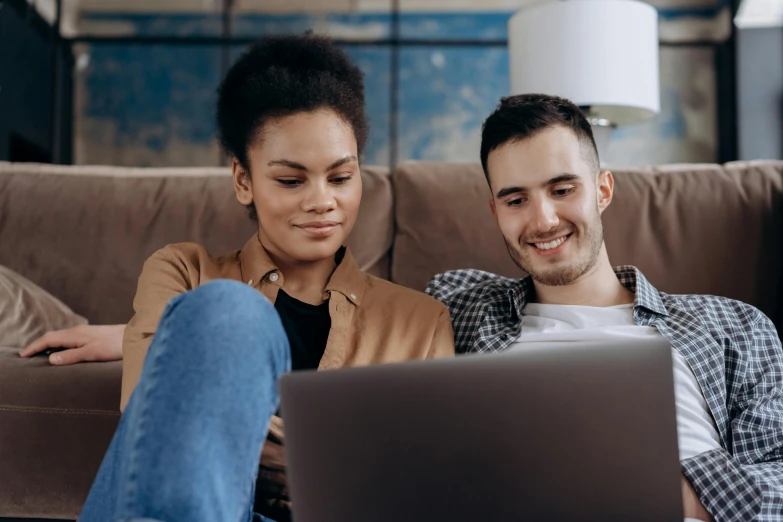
x=49 y=460
x=691 y=229
x=55 y=425
x=708 y=230
x=83 y=232
x=444 y=223
x=372 y=236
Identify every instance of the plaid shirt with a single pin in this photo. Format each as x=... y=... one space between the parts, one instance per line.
x=732 y=348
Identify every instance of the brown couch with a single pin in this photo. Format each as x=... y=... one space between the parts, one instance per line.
x=82 y=233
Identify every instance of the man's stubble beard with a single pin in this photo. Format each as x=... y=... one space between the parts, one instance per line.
x=565 y=275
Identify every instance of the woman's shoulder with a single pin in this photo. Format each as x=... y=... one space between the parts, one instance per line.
x=392 y=296
x=189 y=265
x=193 y=254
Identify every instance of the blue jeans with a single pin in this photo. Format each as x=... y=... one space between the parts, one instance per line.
x=189 y=442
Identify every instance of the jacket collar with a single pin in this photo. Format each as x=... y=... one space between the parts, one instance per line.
x=256 y=267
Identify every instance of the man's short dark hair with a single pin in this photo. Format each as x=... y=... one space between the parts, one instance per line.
x=285 y=75
x=519 y=117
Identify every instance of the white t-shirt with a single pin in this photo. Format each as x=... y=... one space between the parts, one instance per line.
x=543 y=323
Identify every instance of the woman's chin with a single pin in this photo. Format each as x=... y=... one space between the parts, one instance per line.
x=317 y=251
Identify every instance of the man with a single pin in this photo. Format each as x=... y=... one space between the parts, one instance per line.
x=548 y=195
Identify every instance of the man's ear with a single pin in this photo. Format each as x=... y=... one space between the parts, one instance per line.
x=605 y=189
x=243 y=185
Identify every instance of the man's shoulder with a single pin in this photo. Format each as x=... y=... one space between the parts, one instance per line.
x=711 y=303
x=716 y=311
x=468 y=286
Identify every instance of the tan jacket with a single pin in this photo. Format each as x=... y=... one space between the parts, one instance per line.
x=373 y=321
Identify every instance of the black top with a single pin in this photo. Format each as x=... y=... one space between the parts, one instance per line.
x=307 y=327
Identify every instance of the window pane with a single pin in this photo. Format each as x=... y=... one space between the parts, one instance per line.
x=146 y=105
x=685 y=131
x=445 y=94
x=145 y=18
x=455 y=26
x=375 y=62
x=341 y=26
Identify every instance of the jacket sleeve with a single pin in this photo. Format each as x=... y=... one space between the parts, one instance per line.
x=747 y=484
x=443 y=340
x=163 y=277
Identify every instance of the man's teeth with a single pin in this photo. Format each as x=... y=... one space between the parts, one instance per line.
x=551 y=244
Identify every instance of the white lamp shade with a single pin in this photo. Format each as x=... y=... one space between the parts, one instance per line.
x=597 y=53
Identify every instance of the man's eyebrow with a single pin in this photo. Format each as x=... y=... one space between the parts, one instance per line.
x=562 y=179
x=341 y=162
x=554 y=181
x=508 y=191
x=287 y=163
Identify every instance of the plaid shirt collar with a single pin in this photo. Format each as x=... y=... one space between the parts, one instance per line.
x=647 y=301
x=499 y=321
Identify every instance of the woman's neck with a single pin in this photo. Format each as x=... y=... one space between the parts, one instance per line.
x=305 y=281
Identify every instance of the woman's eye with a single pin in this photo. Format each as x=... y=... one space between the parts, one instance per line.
x=290 y=182
x=341 y=179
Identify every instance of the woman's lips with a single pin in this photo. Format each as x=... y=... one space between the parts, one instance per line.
x=319 y=228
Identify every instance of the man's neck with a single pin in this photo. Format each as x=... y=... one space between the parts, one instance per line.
x=599 y=286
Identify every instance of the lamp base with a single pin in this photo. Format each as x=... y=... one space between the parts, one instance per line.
x=602 y=134
x=602 y=130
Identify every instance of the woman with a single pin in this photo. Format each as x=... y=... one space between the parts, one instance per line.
x=211 y=336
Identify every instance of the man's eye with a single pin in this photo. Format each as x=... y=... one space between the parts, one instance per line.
x=564 y=191
x=514 y=202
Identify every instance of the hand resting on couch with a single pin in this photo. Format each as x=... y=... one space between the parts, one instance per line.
x=85 y=343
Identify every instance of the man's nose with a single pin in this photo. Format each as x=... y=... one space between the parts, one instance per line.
x=545 y=218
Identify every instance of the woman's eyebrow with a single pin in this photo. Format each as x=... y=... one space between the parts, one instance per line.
x=341 y=162
x=287 y=163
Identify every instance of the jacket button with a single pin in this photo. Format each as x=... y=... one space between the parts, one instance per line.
x=353 y=296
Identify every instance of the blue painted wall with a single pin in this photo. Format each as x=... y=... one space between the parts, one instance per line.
x=154 y=105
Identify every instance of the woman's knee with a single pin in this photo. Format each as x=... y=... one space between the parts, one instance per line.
x=226 y=316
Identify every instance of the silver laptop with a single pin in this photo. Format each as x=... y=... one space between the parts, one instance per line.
x=572 y=431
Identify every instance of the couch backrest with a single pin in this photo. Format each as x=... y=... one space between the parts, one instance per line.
x=83 y=233
x=707 y=229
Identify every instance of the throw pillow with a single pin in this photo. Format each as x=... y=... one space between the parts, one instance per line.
x=27 y=311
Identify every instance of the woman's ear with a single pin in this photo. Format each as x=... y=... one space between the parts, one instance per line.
x=243 y=184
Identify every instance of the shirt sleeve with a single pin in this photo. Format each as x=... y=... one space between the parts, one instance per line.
x=163 y=277
x=747 y=484
x=444 y=286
